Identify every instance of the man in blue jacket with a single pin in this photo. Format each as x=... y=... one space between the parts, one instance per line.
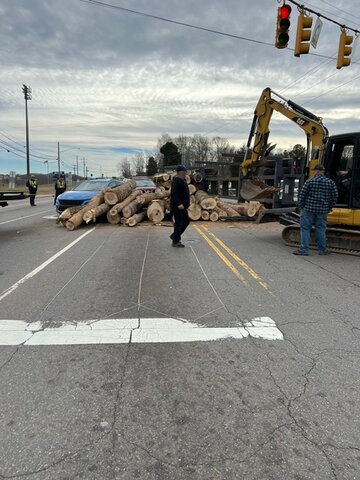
x=179 y=203
x=317 y=198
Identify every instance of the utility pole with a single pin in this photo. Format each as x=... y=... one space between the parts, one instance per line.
x=84 y=168
x=58 y=159
x=77 y=166
x=27 y=95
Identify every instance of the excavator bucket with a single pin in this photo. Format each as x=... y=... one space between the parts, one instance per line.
x=256 y=189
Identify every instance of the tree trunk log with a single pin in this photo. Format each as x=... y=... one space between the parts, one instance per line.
x=135 y=219
x=131 y=209
x=146 y=198
x=92 y=214
x=214 y=216
x=230 y=212
x=118 y=194
x=194 y=211
x=116 y=209
x=220 y=212
x=66 y=214
x=192 y=189
x=204 y=200
x=113 y=219
x=77 y=219
x=156 y=211
x=205 y=214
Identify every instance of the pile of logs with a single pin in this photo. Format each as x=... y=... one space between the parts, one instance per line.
x=125 y=205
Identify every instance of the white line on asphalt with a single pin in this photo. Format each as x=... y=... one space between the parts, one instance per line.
x=9 y=290
x=26 y=216
x=114 y=331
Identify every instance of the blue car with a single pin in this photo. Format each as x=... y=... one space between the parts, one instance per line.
x=84 y=192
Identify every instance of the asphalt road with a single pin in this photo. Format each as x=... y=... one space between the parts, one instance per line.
x=113 y=363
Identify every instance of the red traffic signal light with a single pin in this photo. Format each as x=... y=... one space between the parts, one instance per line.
x=282 y=26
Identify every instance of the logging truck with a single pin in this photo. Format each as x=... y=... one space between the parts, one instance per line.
x=338 y=153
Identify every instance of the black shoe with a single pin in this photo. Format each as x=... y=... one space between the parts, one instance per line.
x=300 y=252
x=178 y=244
x=324 y=252
x=172 y=236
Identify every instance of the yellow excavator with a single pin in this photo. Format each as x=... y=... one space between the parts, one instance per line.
x=277 y=182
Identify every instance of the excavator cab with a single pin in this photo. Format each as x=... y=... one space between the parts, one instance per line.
x=342 y=164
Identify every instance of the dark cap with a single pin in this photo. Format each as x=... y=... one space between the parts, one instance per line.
x=181 y=168
x=319 y=167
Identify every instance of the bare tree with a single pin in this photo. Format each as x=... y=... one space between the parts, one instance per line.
x=140 y=164
x=124 y=168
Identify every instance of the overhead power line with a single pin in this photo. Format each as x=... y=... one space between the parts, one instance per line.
x=341 y=25
x=188 y=25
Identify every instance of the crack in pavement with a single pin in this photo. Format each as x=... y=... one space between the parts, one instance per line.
x=289 y=402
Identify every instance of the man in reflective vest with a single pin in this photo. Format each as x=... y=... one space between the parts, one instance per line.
x=60 y=187
x=32 y=185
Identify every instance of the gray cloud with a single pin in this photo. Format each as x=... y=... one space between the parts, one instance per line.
x=105 y=79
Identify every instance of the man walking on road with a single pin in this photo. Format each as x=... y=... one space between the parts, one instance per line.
x=179 y=203
x=317 y=198
x=32 y=185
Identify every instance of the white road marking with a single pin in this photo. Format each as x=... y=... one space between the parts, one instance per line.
x=13 y=287
x=115 y=331
x=22 y=218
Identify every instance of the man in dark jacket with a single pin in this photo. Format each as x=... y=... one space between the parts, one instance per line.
x=32 y=185
x=179 y=203
x=317 y=198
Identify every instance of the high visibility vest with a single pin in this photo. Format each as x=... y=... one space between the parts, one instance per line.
x=33 y=183
x=60 y=184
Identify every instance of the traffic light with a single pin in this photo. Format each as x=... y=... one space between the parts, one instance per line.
x=345 y=50
x=282 y=26
x=303 y=34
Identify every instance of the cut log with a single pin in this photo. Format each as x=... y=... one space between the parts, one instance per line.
x=146 y=198
x=131 y=209
x=93 y=213
x=113 y=219
x=77 y=219
x=156 y=211
x=118 y=194
x=135 y=219
x=66 y=214
x=214 y=216
x=220 y=211
x=205 y=214
x=192 y=199
x=230 y=212
x=246 y=209
x=161 y=177
x=192 y=189
x=116 y=209
x=187 y=179
x=204 y=200
x=194 y=211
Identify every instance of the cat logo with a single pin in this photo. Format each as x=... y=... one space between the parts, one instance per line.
x=300 y=121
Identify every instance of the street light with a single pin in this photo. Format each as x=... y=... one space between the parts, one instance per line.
x=27 y=95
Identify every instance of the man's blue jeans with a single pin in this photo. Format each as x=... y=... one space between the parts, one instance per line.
x=307 y=220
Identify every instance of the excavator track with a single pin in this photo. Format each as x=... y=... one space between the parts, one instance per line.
x=338 y=240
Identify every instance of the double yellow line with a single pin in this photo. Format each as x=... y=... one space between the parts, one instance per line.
x=207 y=235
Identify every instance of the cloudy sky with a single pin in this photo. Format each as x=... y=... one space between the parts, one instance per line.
x=107 y=83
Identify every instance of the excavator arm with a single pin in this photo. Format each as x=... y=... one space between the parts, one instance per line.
x=312 y=125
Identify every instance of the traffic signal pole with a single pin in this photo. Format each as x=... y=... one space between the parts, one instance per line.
x=27 y=95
